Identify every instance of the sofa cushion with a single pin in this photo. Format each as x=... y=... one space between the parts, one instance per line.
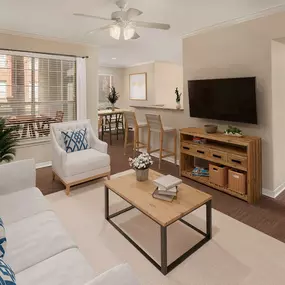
x=66 y=268
x=122 y=272
x=22 y=204
x=75 y=140
x=35 y=239
x=86 y=160
x=3 y=239
x=7 y=276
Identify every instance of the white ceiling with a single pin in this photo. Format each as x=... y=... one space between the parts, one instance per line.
x=54 y=19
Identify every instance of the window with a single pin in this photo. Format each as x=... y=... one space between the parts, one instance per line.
x=105 y=82
x=3 y=61
x=35 y=89
x=3 y=89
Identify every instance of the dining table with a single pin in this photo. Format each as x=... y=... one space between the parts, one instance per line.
x=108 y=114
x=29 y=122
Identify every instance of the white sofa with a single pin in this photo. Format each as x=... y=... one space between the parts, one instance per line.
x=39 y=250
x=80 y=166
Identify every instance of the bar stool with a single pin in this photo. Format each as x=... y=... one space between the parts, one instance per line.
x=155 y=125
x=131 y=122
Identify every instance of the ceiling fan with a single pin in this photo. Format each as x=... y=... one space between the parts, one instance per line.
x=123 y=26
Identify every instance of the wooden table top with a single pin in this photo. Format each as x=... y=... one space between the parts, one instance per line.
x=110 y=112
x=139 y=194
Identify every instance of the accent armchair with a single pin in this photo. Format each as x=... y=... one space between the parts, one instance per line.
x=79 y=166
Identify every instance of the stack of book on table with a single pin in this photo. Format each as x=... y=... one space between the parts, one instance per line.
x=167 y=187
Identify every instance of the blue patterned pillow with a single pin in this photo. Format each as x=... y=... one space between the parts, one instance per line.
x=7 y=275
x=3 y=240
x=75 y=140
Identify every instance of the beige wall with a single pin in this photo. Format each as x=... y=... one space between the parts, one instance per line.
x=118 y=77
x=162 y=79
x=242 y=50
x=42 y=153
x=278 y=105
x=168 y=76
x=149 y=69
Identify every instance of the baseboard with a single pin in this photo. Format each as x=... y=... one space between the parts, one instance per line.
x=43 y=164
x=275 y=193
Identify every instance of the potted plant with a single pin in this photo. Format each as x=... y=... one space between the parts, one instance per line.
x=141 y=165
x=178 y=98
x=113 y=97
x=8 y=141
x=233 y=131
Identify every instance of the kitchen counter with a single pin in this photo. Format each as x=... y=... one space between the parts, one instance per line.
x=160 y=107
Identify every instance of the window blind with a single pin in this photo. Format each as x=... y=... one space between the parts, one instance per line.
x=36 y=91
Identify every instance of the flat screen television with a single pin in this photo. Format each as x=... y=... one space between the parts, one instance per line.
x=230 y=99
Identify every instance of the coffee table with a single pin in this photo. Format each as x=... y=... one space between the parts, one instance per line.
x=139 y=195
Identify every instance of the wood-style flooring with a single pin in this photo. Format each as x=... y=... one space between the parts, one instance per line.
x=267 y=216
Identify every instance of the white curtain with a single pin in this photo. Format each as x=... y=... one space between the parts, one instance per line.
x=81 y=93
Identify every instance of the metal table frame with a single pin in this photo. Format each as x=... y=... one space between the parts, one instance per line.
x=163 y=267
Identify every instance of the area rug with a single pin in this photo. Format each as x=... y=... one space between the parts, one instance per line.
x=237 y=254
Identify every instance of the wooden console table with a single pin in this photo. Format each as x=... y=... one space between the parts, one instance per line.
x=240 y=153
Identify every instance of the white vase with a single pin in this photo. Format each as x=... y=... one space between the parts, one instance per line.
x=178 y=105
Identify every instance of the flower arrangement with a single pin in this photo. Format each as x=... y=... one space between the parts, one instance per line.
x=143 y=161
x=178 y=95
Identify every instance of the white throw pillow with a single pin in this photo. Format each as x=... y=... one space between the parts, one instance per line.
x=3 y=240
x=121 y=275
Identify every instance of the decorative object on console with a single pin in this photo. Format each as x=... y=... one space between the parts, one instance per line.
x=141 y=164
x=75 y=140
x=7 y=275
x=138 y=86
x=233 y=131
x=200 y=171
x=199 y=140
x=210 y=129
x=3 y=240
x=178 y=98
x=113 y=97
x=8 y=141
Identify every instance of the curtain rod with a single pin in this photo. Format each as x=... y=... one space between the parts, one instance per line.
x=47 y=53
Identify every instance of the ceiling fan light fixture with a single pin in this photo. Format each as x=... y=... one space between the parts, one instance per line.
x=129 y=32
x=115 y=32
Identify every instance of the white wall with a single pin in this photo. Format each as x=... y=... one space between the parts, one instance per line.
x=42 y=152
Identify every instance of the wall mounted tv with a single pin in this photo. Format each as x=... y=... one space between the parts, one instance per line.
x=229 y=99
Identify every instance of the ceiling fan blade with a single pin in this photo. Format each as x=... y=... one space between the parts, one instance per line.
x=151 y=25
x=132 y=12
x=91 y=16
x=104 y=28
x=135 y=36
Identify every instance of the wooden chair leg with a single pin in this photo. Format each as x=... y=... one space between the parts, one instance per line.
x=109 y=176
x=67 y=190
x=126 y=139
x=160 y=149
x=53 y=176
x=175 y=147
x=135 y=142
x=148 y=141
